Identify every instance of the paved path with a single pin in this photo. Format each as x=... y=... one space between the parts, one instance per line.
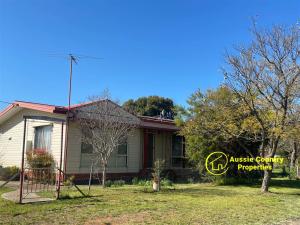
x=28 y=198
x=293 y=222
x=14 y=195
x=11 y=184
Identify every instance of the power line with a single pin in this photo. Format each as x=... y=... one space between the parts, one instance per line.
x=5 y=102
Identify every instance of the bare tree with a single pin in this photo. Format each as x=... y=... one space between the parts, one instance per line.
x=266 y=77
x=105 y=126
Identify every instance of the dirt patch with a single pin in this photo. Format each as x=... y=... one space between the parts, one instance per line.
x=292 y=222
x=132 y=218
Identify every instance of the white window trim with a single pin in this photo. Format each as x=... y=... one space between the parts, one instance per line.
x=51 y=140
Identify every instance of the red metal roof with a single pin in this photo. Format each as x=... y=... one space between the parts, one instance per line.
x=11 y=106
x=35 y=106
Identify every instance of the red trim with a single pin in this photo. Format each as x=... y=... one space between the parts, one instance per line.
x=35 y=106
x=11 y=106
x=157 y=120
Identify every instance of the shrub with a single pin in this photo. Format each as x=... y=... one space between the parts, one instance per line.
x=166 y=182
x=116 y=183
x=293 y=173
x=119 y=183
x=157 y=170
x=7 y=172
x=39 y=158
x=135 y=181
x=108 y=183
x=69 y=181
x=144 y=183
x=191 y=180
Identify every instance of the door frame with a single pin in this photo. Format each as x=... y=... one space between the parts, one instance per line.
x=146 y=150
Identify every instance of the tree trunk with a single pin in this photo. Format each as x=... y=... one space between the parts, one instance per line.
x=103 y=175
x=91 y=175
x=293 y=156
x=266 y=181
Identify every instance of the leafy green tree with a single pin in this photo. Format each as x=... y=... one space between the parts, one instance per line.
x=150 y=106
x=218 y=121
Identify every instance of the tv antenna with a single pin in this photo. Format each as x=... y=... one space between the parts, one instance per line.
x=72 y=58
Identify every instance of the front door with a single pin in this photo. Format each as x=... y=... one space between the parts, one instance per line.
x=150 y=149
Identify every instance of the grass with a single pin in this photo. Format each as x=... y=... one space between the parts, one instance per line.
x=183 y=204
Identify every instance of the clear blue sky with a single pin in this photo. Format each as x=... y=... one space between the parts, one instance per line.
x=149 y=47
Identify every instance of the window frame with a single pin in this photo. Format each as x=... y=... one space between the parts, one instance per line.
x=51 y=136
x=122 y=155
x=182 y=156
x=115 y=155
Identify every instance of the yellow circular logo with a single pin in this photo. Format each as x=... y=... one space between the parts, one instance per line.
x=216 y=163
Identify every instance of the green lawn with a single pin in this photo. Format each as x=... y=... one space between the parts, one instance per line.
x=184 y=204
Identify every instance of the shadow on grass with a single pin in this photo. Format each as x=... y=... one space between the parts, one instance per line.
x=193 y=192
x=285 y=183
x=65 y=197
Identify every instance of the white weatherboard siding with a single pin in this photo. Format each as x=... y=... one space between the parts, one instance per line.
x=11 y=136
x=11 y=141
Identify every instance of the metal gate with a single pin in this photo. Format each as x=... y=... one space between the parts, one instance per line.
x=38 y=180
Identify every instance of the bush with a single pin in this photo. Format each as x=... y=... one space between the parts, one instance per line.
x=293 y=173
x=7 y=172
x=39 y=158
x=166 y=182
x=116 y=183
x=69 y=181
x=144 y=183
x=108 y=183
x=191 y=180
x=135 y=181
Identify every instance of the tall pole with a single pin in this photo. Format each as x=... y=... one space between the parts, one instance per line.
x=70 y=80
x=22 y=163
x=72 y=58
x=60 y=161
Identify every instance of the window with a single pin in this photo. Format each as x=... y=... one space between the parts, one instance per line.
x=121 y=160
x=177 y=151
x=118 y=157
x=86 y=148
x=42 y=137
x=86 y=155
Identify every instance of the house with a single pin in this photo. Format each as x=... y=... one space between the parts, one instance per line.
x=154 y=138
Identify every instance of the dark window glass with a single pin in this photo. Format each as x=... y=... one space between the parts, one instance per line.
x=177 y=151
x=122 y=155
x=122 y=149
x=86 y=148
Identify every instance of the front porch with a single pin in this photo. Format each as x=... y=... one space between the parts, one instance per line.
x=165 y=145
